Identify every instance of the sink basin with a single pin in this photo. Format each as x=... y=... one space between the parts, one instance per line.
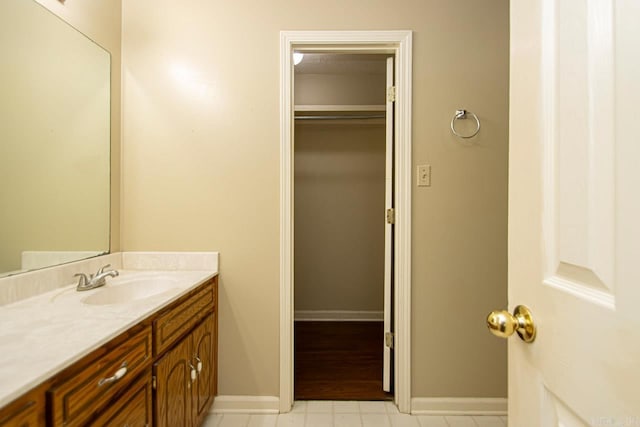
x=125 y=290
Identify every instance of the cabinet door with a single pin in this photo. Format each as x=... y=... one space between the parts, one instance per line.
x=204 y=360
x=173 y=386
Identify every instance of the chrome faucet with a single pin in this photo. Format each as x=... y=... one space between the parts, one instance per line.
x=94 y=280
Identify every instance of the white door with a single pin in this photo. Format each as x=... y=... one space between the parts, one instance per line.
x=574 y=212
x=388 y=235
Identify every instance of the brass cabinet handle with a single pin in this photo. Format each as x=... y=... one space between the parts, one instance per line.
x=503 y=324
x=199 y=364
x=115 y=377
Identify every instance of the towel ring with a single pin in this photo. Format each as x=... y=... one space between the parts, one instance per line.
x=462 y=114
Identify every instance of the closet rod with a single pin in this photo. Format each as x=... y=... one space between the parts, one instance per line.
x=342 y=117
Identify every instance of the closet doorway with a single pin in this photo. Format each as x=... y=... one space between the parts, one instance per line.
x=397 y=44
x=343 y=225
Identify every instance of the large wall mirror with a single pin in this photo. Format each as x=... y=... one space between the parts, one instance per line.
x=54 y=140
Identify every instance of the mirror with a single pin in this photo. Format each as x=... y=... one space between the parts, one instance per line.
x=54 y=140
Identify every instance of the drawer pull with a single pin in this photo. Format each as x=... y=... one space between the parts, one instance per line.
x=116 y=377
x=199 y=364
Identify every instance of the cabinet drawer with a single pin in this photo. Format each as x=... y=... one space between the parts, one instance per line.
x=133 y=408
x=171 y=325
x=77 y=397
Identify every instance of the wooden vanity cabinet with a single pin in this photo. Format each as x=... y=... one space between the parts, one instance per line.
x=185 y=375
x=23 y=416
x=160 y=372
x=28 y=411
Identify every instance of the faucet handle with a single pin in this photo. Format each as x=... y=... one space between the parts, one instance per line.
x=83 y=280
x=101 y=269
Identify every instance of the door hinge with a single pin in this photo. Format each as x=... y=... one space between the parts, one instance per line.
x=391 y=94
x=154 y=384
x=388 y=339
x=391 y=216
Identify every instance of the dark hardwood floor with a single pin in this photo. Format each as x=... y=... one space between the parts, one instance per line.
x=339 y=361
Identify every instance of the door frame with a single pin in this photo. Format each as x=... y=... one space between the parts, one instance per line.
x=398 y=43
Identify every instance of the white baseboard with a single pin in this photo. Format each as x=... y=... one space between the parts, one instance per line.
x=459 y=406
x=419 y=405
x=339 y=316
x=246 y=405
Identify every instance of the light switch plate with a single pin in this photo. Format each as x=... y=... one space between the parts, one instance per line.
x=424 y=175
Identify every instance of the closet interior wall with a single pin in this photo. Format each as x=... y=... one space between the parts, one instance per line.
x=339 y=186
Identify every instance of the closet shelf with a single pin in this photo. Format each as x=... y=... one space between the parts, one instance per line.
x=339 y=108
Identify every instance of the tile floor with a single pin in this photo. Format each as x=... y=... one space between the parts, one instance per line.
x=314 y=413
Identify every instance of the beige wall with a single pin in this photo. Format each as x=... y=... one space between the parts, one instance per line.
x=201 y=169
x=339 y=216
x=101 y=21
x=320 y=89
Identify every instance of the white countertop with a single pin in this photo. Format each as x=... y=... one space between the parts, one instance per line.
x=42 y=335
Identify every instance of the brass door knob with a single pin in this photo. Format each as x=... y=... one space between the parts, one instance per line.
x=503 y=324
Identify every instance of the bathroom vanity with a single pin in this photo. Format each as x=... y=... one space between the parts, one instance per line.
x=130 y=353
